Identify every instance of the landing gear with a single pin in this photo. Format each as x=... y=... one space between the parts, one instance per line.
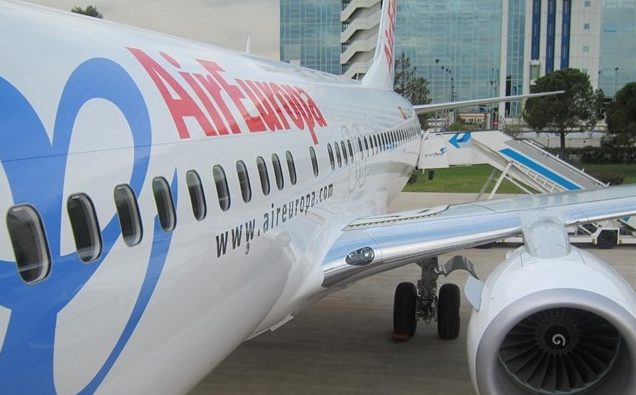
x=448 y=312
x=413 y=303
x=404 y=321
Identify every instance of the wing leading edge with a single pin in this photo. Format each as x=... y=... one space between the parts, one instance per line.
x=374 y=244
x=435 y=107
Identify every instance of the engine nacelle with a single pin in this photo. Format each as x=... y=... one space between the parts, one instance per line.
x=554 y=325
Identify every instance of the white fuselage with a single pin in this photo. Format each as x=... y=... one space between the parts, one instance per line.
x=91 y=105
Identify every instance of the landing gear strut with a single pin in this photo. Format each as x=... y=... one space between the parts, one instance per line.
x=422 y=302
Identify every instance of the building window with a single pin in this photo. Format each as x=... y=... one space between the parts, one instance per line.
x=222 y=190
x=291 y=166
x=314 y=161
x=331 y=160
x=586 y=26
x=360 y=148
x=165 y=206
x=128 y=213
x=278 y=172
x=366 y=146
x=588 y=3
x=86 y=233
x=29 y=243
x=262 y=174
x=338 y=157
x=377 y=146
x=197 y=196
x=244 y=181
x=586 y=49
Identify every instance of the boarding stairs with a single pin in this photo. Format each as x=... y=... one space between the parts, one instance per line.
x=527 y=165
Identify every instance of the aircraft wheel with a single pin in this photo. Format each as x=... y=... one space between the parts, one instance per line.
x=448 y=312
x=404 y=322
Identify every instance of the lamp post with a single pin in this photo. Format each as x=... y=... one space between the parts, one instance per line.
x=615 y=80
x=436 y=63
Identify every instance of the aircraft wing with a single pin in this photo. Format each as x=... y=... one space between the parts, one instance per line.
x=371 y=245
x=431 y=108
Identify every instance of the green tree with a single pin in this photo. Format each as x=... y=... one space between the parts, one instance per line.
x=411 y=86
x=621 y=118
x=576 y=109
x=90 y=10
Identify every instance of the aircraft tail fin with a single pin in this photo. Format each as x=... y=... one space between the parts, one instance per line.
x=381 y=72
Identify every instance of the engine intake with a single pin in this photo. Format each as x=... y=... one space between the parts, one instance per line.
x=558 y=325
x=560 y=350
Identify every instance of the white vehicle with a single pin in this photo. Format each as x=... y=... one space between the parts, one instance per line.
x=164 y=200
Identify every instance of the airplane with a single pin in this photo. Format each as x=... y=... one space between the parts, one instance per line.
x=164 y=200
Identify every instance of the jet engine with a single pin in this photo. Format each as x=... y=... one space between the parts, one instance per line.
x=552 y=319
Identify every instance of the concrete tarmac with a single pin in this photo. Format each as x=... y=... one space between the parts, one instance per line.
x=342 y=344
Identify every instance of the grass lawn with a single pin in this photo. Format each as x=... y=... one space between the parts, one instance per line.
x=472 y=178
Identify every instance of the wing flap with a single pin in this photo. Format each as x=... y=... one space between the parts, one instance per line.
x=374 y=244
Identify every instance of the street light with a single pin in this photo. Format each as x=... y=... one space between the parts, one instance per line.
x=615 y=80
x=436 y=63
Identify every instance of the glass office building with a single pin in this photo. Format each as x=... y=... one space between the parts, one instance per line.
x=471 y=49
x=310 y=33
x=618 y=45
x=455 y=44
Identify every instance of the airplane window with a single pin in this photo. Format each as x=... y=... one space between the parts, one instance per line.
x=244 y=181
x=29 y=243
x=278 y=172
x=197 y=196
x=338 y=154
x=262 y=173
x=350 y=150
x=222 y=190
x=165 y=205
x=314 y=161
x=331 y=160
x=366 y=146
x=128 y=212
x=360 y=148
x=291 y=167
x=344 y=152
x=88 y=240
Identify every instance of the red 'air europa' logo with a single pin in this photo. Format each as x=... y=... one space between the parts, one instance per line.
x=389 y=33
x=278 y=106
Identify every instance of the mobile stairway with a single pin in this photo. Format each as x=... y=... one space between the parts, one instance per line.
x=528 y=166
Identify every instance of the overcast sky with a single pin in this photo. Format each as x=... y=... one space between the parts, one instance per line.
x=222 y=22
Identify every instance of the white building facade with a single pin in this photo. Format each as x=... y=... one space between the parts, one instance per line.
x=360 y=20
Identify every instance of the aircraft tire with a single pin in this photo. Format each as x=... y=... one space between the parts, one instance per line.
x=404 y=303
x=448 y=312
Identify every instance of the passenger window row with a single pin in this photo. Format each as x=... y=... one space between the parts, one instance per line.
x=28 y=237
x=371 y=145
